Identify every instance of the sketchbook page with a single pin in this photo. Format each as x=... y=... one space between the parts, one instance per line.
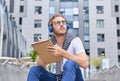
x=41 y=49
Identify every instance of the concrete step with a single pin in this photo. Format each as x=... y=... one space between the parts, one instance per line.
x=95 y=80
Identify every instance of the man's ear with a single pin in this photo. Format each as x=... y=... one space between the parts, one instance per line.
x=67 y=27
x=50 y=28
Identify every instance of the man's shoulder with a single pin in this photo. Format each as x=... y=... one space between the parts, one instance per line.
x=76 y=39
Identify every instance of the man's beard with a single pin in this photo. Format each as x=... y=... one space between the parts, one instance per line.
x=60 y=34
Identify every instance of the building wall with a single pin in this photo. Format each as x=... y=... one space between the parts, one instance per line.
x=14 y=8
x=28 y=28
x=116 y=15
x=109 y=31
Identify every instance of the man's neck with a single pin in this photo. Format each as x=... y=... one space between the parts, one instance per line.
x=60 y=39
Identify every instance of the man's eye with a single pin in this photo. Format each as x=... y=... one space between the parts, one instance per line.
x=63 y=22
x=58 y=22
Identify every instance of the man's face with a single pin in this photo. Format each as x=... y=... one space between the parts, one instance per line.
x=59 y=26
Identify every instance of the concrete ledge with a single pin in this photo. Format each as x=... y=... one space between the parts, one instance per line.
x=95 y=80
x=10 y=72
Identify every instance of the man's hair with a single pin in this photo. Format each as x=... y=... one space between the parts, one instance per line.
x=53 y=17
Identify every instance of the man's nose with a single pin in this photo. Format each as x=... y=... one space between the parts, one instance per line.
x=61 y=23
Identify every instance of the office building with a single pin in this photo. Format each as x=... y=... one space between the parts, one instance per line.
x=32 y=18
x=12 y=42
x=104 y=29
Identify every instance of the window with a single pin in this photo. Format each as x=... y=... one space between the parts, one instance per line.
x=101 y=51
x=68 y=11
x=11 y=8
x=36 y=37
x=119 y=58
x=4 y=37
x=86 y=38
x=62 y=11
x=20 y=30
x=75 y=24
x=100 y=23
x=86 y=23
x=52 y=10
x=20 y=21
x=99 y=9
x=13 y=18
x=75 y=11
x=70 y=24
x=37 y=23
x=21 y=8
x=38 y=10
x=117 y=20
x=116 y=8
x=118 y=33
x=100 y=37
x=86 y=10
x=75 y=18
x=118 y=45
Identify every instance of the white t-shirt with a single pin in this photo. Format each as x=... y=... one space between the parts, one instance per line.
x=75 y=47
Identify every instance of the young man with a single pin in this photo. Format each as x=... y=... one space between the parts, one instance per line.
x=66 y=45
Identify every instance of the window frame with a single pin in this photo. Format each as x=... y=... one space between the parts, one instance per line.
x=35 y=37
x=100 y=9
x=21 y=8
x=100 y=37
x=100 y=51
x=37 y=23
x=38 y=10
x=100 y=23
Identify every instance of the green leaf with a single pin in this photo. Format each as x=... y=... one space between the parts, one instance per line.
x=33 y=54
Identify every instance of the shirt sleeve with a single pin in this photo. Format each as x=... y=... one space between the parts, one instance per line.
x=77 y=45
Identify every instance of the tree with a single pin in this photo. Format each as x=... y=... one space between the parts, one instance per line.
x=33 y=54
x=97 y=61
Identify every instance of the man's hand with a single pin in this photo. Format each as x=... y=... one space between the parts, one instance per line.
x=39 y=62
x=40 y=40
x=56 y=50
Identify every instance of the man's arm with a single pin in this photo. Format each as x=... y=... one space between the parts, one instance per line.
x=81 y=58
x=39 y=62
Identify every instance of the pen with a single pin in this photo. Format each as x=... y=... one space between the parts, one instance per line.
x=39 y=38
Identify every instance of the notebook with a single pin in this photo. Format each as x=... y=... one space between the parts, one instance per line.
x=41 y=49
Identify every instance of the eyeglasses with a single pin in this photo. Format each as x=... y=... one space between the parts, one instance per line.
x=57 y=23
